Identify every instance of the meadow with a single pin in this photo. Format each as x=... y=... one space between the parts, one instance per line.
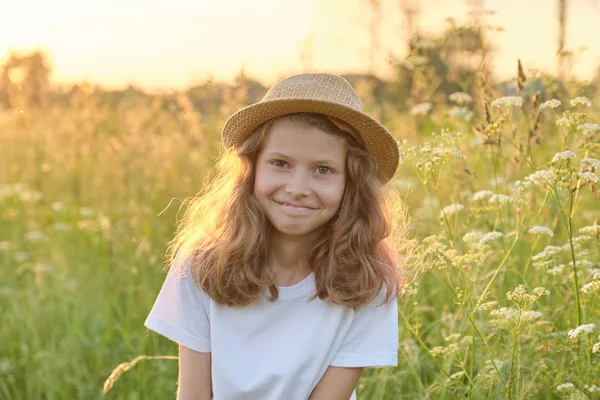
x=502 y=254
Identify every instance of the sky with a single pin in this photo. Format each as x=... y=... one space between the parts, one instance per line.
x=176 y=43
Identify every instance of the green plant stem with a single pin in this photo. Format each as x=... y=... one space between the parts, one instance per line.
x=482 y=296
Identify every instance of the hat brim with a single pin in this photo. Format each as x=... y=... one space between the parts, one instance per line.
x=377 y=139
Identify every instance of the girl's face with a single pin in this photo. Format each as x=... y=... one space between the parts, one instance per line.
x=300 y=178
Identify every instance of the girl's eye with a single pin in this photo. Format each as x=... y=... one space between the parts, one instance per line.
x=279 y=163
x=323 y=170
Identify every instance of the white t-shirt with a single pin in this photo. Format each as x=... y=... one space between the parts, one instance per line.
x=274 y=350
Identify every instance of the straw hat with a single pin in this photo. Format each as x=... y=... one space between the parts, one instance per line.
x=327 y=94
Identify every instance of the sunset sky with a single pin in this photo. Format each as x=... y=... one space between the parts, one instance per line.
x=175 y=43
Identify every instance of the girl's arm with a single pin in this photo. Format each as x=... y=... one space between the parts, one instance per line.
x=194 y=375
x=337 y=383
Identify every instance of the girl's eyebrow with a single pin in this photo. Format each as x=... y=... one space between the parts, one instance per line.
x=323 y=161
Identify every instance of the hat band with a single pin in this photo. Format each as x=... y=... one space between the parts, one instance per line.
x=346 y=128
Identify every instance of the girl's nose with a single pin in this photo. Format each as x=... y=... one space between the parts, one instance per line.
x=298 y=186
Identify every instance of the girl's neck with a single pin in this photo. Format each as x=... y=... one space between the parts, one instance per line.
x=289 y=258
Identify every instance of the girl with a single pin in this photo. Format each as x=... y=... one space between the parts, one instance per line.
x=282 y=285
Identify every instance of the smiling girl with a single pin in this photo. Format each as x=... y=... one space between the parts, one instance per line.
x=282 y=282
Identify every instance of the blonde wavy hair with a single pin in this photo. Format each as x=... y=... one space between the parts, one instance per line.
x=225 y=235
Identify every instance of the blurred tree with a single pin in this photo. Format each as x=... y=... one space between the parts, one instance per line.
x=25 y=80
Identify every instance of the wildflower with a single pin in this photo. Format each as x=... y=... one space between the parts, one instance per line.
x=35 y=236
x=542 y=176
x=589 y=163
x=457 y=376
x=58 y=206
x=472 y=238
x=580 y=101
x=453 y=337
x=519 y=294
x=436 y=351
x=86 y=212
x=21 y=256
x=491 y=236
x=541 y=291
x=594 y=388
x=452 y=209
x=500 y=199
x=578 y=239
x=461 y=112
x=564 y=155
x=487 y=306
x=591 y=230
x=557 y=270
x=61 y=226
x=541 y=230
x=589 y=128
x=508 y=101
x=528 y=316
x=482 y=194
x=30 y=196
x=550 y=104
x=466 y=340
x=460 y=98
x=421 y=109
x=593 y=286
x=565 y=387
x=587 y=328
x=588 y=177
x=562 y=121
x=596 y=348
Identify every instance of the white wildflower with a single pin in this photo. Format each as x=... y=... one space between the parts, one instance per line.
x=541 y=230
x=452 y=209
x=563 y=121
x=541 y=291
x=490 y=236
x=565 y=387
x=579 y=239
x=527 y=316
x=21 y=256
x=557 y=270
x=580 y=101
x=487 y=306
x=61 y=226
x=592 y=230
x=466 y=340
x=596 y=348
x=508 y=101
x=461 y=112
x=594 y=388
x=471 y=238
x=550 y=104
x=587 y=328
x=460 y=98
x=589 y=128
x=86 y=212
x=542 y=176
x=421 y=109
x=482 y=194
x=35 y=236
x=589 y=163
x=500 y=199
x=588 y=177
x=453 y=338
x=58 y=206
x=564 y=155
x=593 y=286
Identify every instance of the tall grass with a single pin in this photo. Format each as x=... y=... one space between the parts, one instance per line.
x=504 y=221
